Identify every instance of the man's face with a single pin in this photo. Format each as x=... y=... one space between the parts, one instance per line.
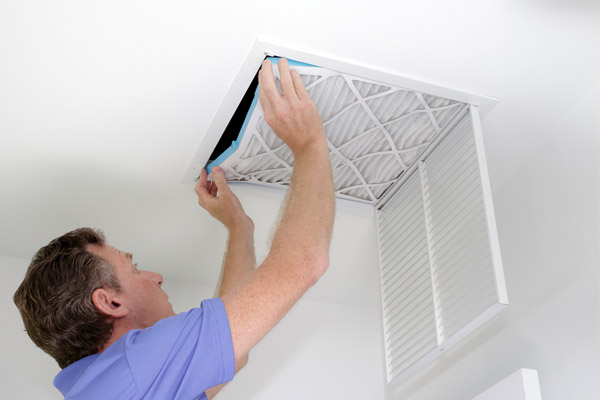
x=141 y=290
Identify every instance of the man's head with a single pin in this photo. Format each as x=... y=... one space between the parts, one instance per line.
x=77 y=287
x=139 y=302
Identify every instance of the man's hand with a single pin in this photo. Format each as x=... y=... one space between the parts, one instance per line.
x=292 y=114
x=217 y=198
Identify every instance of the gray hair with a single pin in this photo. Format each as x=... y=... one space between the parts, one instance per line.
x=55 y=297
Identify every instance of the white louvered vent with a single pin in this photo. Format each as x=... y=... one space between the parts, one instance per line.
x=441 y=274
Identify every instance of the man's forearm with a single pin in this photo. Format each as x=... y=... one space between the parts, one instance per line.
x=307 y=220
x=238 y=264
x=239 y=260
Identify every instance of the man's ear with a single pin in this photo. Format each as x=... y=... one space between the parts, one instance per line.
x=108 y=303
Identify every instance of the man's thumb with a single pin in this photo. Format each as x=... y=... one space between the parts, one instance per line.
x=219 y=179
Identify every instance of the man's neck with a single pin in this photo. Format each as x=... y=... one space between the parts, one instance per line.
x=120 y=327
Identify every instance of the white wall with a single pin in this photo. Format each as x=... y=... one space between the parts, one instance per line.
x=547 y=214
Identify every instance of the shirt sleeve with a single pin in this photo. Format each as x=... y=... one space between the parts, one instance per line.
x=182 y=356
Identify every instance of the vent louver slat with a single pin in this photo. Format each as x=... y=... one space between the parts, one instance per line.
x=411 y=297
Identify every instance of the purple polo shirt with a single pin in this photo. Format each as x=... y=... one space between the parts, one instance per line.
x=177 y=358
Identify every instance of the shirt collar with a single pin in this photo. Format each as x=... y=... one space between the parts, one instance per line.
x=68 y=377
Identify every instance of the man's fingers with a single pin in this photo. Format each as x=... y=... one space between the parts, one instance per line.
x=262 y=95
x=219 y=180
x=202 y=189
x=265 y=94
x=267 y=80
x=205 y=189
x=286 y=79
x=213 y=189
x=299 y=85
x=201 y=185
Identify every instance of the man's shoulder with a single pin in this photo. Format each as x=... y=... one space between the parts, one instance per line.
x=192 y=347
x=98 y=376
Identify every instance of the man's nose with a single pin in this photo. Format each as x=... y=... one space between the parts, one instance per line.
x=156 y=278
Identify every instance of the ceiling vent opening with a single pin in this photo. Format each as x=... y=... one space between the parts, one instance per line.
x=413 y=150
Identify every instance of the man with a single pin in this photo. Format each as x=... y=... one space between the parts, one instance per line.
x=110 y=326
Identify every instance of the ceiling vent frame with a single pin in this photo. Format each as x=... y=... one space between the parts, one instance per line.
x=442 y=295
x=264 y=47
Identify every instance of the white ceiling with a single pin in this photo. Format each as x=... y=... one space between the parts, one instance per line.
x=103 y=104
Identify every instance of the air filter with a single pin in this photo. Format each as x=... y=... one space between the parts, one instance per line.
x=414 y=151
x=374 y=132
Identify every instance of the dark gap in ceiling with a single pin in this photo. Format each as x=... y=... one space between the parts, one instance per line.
x=237 y=121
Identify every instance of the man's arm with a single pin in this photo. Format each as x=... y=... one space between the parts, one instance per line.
x=239 y=261
x=218 y=199
x=300 y=251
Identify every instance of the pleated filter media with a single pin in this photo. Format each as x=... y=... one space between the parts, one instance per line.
x=375 y=132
